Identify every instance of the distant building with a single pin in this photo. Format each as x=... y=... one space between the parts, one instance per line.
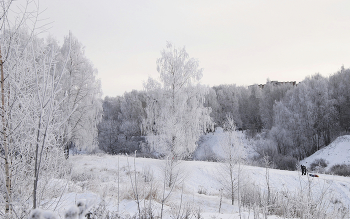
x=276 y=83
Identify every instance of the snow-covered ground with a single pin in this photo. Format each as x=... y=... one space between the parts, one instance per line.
x=95 y=178
x=338 y=152
x=200 y=185
x=209 y=145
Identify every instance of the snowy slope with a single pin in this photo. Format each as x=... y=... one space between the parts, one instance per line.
x=338 y=152
x=209 y=145
x=96 y=179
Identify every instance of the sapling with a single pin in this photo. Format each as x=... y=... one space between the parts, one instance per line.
x=165 y=196
x=134 y=184
x=47 y=110
x=118 y=183
x=182 y=191
x=232 y=160
x=221 y=190
x=267 y=177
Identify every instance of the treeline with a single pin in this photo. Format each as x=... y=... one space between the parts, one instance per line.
x=312 y=114
x=121 y=120
x=294 y=120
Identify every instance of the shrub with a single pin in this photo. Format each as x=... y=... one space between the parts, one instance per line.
x=279 y=161
x=340 y=170
x=147 y=174
x=80 y=177
x=285 y=162
x=202 y=190
x=318 y=164
x=145 y=155
x=251 y=195
x=210 y=158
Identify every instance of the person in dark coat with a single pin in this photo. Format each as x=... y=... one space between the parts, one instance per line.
x=303 y=170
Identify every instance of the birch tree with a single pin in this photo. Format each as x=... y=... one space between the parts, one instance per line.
x=234 y=155
x=176 y=116
x=83 y=96
x=12 y=41
x=48 y=117
x=32 y=100
x=31 y=117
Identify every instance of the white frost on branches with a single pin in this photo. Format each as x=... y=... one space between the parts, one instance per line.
x=175 y=113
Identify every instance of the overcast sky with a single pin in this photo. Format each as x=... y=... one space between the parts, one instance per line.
x=236 y=41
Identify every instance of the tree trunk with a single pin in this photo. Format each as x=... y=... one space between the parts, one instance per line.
x=36 y=171
x=232 y=183
x=6 y=149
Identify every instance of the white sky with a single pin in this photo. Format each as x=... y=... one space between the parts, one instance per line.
x=236 y=41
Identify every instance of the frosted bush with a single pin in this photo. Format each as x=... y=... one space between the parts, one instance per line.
x=80 y=177
x=41 y=214
x=318 y=165
x=72 y=213
x=340 y=169
x=78 y=211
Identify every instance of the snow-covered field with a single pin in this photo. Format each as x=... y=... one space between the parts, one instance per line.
x=95 y=178
x=107 y=184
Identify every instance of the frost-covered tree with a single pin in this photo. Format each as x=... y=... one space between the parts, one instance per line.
x=306 y=116
x=132 y=112
x=83 y=96
x=227 y=98
x=32 y=112
x=339 y=86
x=32 y=118
x=176 y=116
x=234 y=155
x=109 y=127
x=211 y=100
x=122 y=120
x=270 y=95
x=249 y=109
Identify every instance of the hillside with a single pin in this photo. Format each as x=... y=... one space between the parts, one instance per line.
x=338 y=152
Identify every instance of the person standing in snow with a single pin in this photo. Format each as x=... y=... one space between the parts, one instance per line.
x=303 y=170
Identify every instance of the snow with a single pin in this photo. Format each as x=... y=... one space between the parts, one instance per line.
x=209 y=145
x=72 y=212
x=338 y=152
x=41 y=214
x=198 y=175
x=95 y=183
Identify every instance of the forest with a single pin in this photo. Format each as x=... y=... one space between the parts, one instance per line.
x=292 y=121
x=52 y=108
